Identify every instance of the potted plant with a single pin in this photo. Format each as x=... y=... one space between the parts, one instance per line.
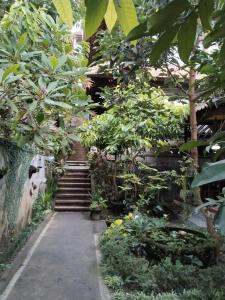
x=98 y=204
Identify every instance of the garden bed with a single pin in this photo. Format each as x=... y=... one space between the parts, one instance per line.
x=180 y=243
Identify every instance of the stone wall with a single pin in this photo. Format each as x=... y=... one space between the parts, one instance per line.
x=19 y=187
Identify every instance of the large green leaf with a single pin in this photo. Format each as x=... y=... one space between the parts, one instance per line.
x=21 y=42
x=111 y=15
x=187 y=147
x=138 y=32
x=210 y=173
x=58 y=103
x=186 y=37
x=205 y=12
x=163 y=43
x=159 y=21
x=11 y=69
x=213 y=36
x=127 y=15
x=64 y=9
x=95 y=12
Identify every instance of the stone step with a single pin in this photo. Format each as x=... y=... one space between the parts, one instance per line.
x=76 y=170
x=72 y=196
x=74 y=190
x=74 y=179
x=71 y=208
x=77 y=162
x=75 y=184
x=76 y=175
x=72 y=202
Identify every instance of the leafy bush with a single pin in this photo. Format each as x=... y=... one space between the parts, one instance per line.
x=118 y=259
x=113 y=282
x=119 y=129
x=180 y=243
x=119 y=246
x=44 y=202
x=151 y=238
x=141 y=296
x=97 y=201
x=40 y=79
x=199 y=295
x=120 y=295
x=167 y=276
x=187 y=295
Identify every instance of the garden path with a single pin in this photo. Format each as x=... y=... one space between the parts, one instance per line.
x=62 y=263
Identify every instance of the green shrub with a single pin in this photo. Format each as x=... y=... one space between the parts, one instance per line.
x=187 y=295
x=212 y=278
x=118 y=258
x=199 y=295
x=120 y=295
x=167 y=276
x=129 y=269
x=113 y=282
x=165 y=296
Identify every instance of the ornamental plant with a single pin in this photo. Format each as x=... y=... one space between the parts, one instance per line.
x=98 y=203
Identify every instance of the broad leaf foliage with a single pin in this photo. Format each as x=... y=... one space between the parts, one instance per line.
x=40 y=79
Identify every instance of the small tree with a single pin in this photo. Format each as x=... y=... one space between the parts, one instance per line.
x=41 y=79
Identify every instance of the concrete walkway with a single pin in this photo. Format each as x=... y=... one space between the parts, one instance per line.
x=62 y=264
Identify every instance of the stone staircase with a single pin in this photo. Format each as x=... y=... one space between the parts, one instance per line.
x=74 y=187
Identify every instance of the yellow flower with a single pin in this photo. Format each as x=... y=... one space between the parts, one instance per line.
x=130 y=216
x=118 y=222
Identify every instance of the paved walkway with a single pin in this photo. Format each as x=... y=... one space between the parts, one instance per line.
x=62 y=263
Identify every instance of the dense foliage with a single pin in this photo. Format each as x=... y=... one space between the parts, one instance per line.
x=173 y=32
x=126 y=265
x=41 y=79
x=77 y=7
x=137 y=117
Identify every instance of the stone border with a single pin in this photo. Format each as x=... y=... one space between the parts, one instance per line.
x=104 y=291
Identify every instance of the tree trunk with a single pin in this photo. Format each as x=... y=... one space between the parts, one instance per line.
x=194 y=156
x=193 y=117
x=116 y=192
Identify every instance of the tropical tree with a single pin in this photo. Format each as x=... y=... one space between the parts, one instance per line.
x=187 y=28
x=137 y=117
x=41 y=79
